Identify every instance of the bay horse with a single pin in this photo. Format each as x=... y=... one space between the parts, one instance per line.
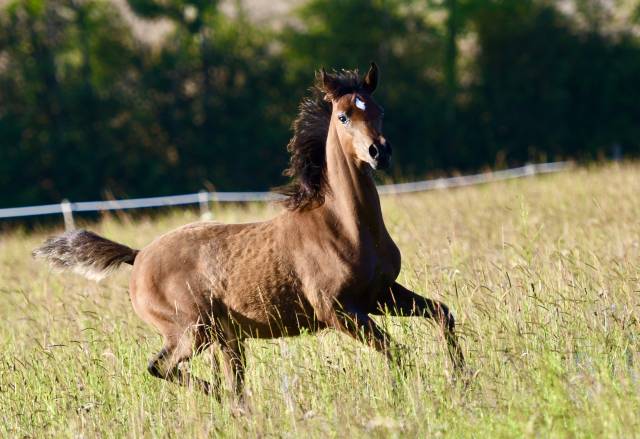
x=327 y=261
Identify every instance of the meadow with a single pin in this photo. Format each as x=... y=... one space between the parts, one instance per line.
x=542 y=273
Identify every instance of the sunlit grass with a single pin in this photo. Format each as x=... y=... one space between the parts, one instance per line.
x=543 y=275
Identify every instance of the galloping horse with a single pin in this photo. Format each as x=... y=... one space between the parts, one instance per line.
x=327 y=261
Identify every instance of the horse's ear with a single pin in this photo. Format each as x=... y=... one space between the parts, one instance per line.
x=328 y=83
x=370 y=81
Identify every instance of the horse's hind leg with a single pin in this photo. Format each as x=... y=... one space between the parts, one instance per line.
x=399 y=301
x=166 y=364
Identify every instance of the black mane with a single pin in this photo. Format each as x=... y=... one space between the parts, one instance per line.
x=307 y=165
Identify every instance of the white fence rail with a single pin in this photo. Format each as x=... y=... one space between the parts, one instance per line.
x=66 y=208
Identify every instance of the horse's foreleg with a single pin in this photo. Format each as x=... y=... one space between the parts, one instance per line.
x=361 y=327
x=399 y=301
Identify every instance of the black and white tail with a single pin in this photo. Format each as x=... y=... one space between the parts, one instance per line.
x=85 y=253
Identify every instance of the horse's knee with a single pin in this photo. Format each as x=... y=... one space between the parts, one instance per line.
x=445 y=316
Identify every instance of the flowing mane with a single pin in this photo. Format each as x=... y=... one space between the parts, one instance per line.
x=307 y=165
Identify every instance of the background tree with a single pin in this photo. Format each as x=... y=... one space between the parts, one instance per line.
x=215 y=89
x=548 y=90
x=66 y=63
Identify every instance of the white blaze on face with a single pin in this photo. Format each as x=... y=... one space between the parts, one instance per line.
x=360 y=104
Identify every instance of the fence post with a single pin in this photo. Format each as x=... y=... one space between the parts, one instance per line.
x=203 y=199
x=530 y=169
x=67 y=213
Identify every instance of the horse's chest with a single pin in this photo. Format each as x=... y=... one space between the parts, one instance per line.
x=377 y=267
x=350 y=273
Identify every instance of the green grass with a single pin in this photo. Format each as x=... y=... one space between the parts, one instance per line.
x=543 y=275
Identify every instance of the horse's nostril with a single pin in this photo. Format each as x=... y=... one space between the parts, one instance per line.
x=373 y=151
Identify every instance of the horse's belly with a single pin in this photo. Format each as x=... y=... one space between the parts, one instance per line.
x=267 y=310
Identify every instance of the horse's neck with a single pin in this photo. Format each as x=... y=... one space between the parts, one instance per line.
x=352 y=198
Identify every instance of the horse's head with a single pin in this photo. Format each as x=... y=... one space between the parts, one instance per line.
x=358 y=119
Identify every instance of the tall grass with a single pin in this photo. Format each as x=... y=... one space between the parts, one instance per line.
x=543 y=275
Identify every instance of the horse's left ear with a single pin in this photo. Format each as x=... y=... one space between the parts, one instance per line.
x=370 y=81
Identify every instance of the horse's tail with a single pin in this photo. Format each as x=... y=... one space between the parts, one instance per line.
x=85 y=253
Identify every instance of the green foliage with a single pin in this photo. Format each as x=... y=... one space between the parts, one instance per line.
x=219 y=112
x=62 y=94
x=86 y=109
x=550 y=91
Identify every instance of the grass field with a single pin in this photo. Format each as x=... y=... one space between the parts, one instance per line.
x=543 y=275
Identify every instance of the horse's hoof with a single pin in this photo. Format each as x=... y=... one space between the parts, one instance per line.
x=464 y=377
x=240 y=409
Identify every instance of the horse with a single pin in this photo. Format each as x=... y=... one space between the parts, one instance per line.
x=326 y=261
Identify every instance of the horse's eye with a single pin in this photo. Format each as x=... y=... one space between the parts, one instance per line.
x=342 y=118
